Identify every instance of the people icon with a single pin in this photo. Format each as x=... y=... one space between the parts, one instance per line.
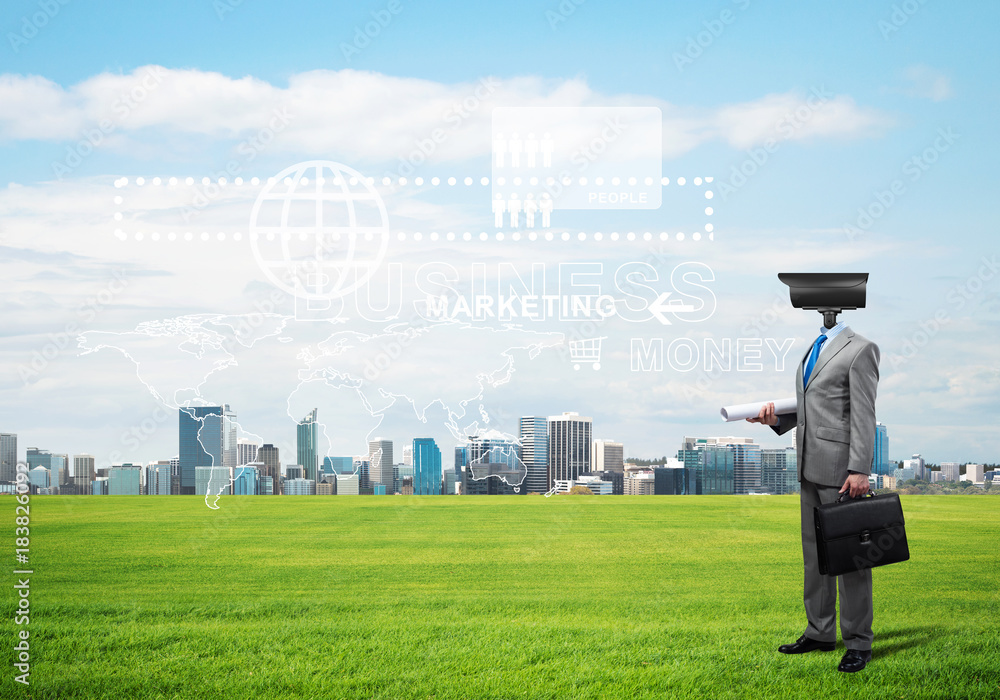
x=546 y=146
x=515 y=146
x=514 y=207
x=530 y=207
x=499 y=207
x=499 y=148
x=531 y=150
x=546 y=207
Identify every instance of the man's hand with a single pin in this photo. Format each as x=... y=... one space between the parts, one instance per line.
x=766 y=415
x=857 y=483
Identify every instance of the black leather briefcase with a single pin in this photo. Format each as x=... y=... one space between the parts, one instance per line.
x=860 y=533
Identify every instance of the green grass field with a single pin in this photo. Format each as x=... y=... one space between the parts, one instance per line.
x=485 y=597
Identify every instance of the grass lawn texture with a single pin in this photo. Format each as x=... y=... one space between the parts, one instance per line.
x=484 y=597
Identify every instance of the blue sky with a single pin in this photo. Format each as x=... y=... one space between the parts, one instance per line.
x=897 y=85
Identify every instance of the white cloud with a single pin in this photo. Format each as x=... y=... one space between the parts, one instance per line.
x=372 y=117
x=928 y=83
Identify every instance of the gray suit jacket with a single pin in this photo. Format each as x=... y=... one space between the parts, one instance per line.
x=835 y=414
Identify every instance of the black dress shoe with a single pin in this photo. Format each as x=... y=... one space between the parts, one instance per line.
x=804 y=644
x=854 y=660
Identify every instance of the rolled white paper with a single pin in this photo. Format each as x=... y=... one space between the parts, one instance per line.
x=752 y=410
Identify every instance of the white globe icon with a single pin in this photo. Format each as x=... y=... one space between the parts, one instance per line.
x=319 y=230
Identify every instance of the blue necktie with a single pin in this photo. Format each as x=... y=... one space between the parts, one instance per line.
x=812 y=359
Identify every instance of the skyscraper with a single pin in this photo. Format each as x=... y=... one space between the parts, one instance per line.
x=306 y=439
x=269 y=470
x=779 y=470
x=609 y=456
x=8 y=457
x=746 y=463
x=83 y=473
x=338 y=465
x=569 y=446
x=125 y=480
x=491 y=455
x=426 y=467
x=711 y=467
x=207 y=438
x=157 y=478
x=880 y=457
x=534 y=440
x=380 y=462
x=246 y=451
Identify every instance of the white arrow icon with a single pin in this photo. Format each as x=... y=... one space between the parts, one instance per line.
x=660 y=307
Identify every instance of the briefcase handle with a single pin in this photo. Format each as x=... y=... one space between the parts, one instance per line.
x=845 y=493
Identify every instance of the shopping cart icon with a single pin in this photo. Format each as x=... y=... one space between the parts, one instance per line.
x=584 y=352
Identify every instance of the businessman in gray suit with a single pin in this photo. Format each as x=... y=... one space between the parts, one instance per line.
x=835 y=387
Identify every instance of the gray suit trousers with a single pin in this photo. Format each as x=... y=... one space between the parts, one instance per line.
x=821 y=590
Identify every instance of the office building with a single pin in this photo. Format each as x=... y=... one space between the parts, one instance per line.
x=916 y=464
x=40 y=478
x=426 y=467
x=307 y=436
x=534 y=439
x=265 y=483
x=904 y=474
x=950 y=471
x=779 y=470
x=245 y=480
x=215 y=481
x=158 y=478
x=570 y=436
x=380 y=462
x=338 y=465
x=974 y=473
x=491 y=479
x=8 y=457
x=268 y=469
x=125 y=480
x=608 y=456
x=616 y=479
x=99 y=487
x=669 y=479
x=450 y=479
x=641 y=483
x=713 y=466
x=326 y=487
x=746 y=462
x=408 y=456
x=880 y=456
x=246 y=451
x=207 y=438
x=83 y=472
x=597 y=485
x=348 y=485
x=294 y=471
x=43 y=458
x=300 y=487
x=492 y=447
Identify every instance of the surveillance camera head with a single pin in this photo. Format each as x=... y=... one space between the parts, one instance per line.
x=826 y=292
